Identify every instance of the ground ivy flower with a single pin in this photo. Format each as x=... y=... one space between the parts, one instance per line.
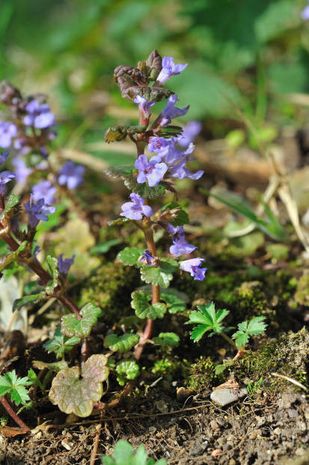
x=38 y=115
x=305 y=13
x=71 y=175
x=180 y=245
x=171 y=111
x=151 y=171
x=189 y=133
x=136 y=209
x=37 y=211
x=7 y=133
x=158 y=144
x=64 y=264
x=44 y=190
x=169 y=69
x=193 y=266
x=144 y=106
x=147 y=258
x=5 y=177
x=3 y=157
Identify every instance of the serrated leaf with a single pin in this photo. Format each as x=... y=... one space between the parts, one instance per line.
x=178 y=216
x=160 y=275
x=122 y=343
x=246 y=329
x=167 y=339
x=127 y=370
x=208 y=319
x=28 y=299
x=76 y=390
x=130 y=255
x=15 y=387
x=60 y=344
x=72 y=326
x=144 y=309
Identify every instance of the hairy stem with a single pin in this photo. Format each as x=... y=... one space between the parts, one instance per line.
x=12 y=414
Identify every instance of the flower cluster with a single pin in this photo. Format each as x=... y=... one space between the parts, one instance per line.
x=27 y=131
x=163 y=150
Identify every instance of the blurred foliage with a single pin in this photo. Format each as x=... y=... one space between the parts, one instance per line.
x=248 y=55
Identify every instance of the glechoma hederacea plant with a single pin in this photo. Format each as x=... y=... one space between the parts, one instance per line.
x=163 y=153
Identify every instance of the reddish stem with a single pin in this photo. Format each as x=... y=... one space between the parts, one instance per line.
x=13 y=414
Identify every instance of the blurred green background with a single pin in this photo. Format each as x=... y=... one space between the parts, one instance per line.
x=248 y=58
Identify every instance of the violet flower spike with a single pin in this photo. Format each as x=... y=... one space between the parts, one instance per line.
x=64 y=264
x=37 y=211
x=5 y=177
x=171 y=111
x=189 y=133
x=71 y=175
x=169 y=69
x=193 y=266
x=150 y=171
x=136 y=209
x=8 y=131
x=44 y=190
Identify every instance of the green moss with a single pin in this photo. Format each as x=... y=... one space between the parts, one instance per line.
x=110 y=288
x=202 y=374
x=285 y=356
x=302 y=290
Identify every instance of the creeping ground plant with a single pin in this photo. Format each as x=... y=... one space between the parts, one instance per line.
x=79 y=376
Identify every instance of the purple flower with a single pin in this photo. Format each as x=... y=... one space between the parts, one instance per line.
x=64 y=264
x=158 y=144
x=3 y=157
x=151 y=171
x=171 y=111
x=39 y=115
x=71 y=175
x=305 y=13
x=193 y=266
x=7 y=132
x=44 y=190
x=37 y=211
x=180 y=245
x=136 y=209
x=147 y=258
x=169 y=69
x=5 y=177
x=21 y=170
x=189 y=133
x=144 y=106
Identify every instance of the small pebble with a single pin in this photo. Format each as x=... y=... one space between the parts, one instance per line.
x=226 y=396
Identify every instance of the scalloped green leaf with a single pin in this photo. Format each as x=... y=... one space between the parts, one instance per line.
x=72 y=326
x=60 y=344
x=159 y=275
x=144 y=309
x=127 y=370
x=76 y=390
x=122 y=343
x=27 y=300
x=176 y=301
x=167 y=339
x=52 y=263
x=130 y=255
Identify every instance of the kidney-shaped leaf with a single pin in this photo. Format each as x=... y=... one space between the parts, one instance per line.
x=76 y=390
